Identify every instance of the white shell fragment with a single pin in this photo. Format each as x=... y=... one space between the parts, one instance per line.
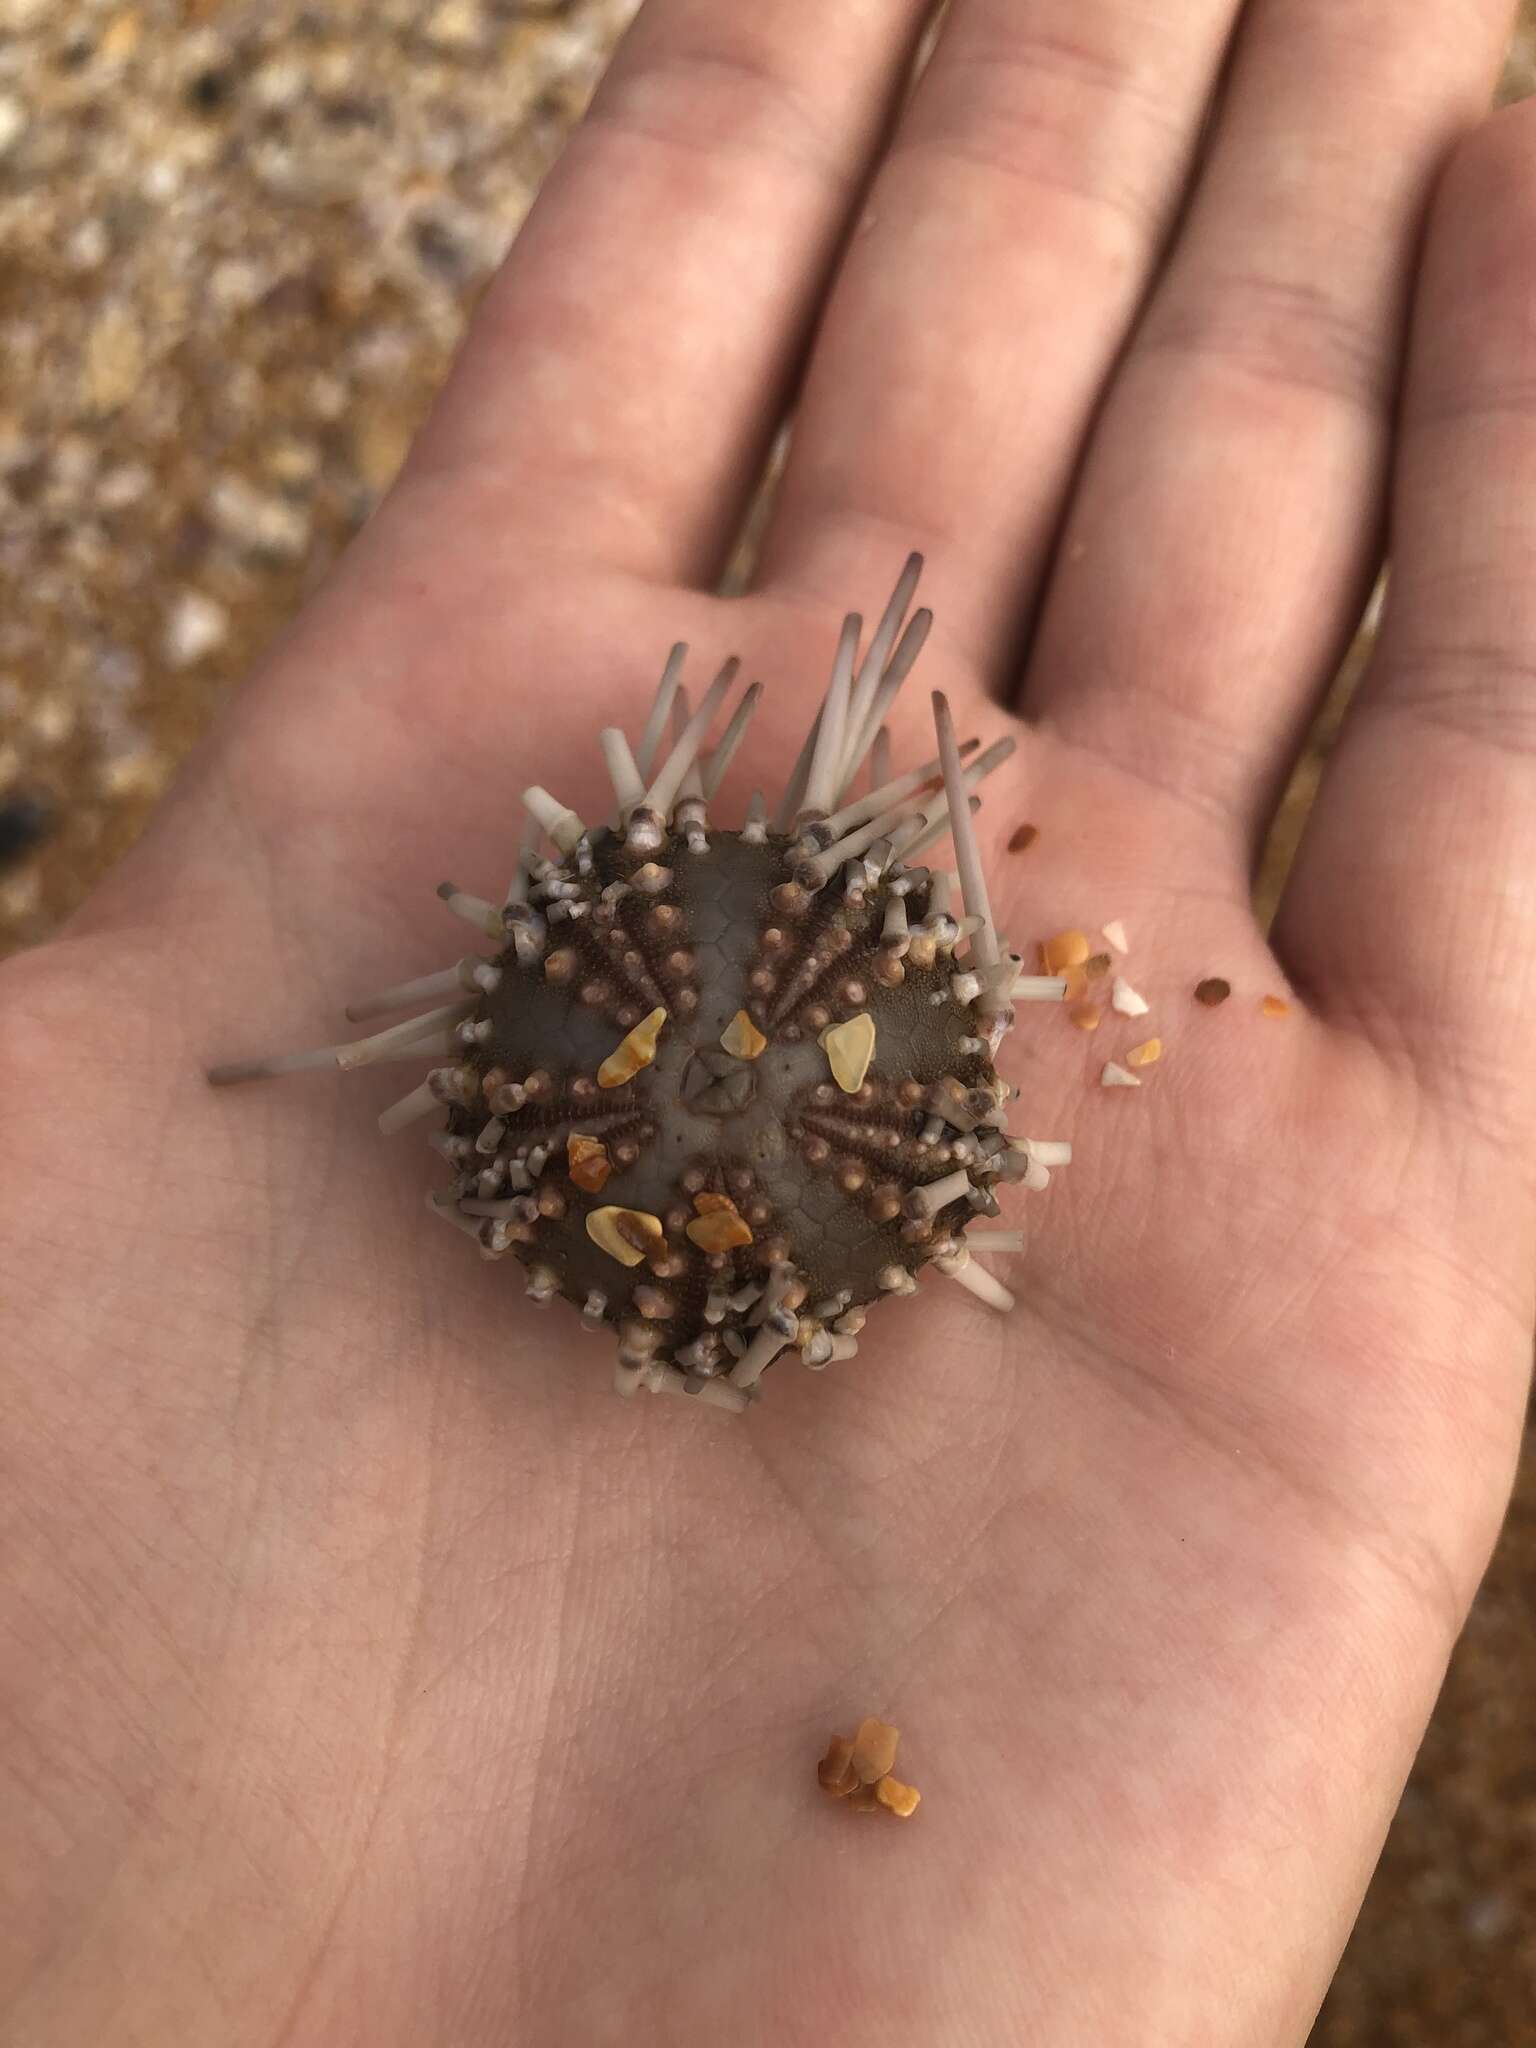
x=1116 y=1076
x=1114 y=931
x=1125 y=999
x=849 y=1048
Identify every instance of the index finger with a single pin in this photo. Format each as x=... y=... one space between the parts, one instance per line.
x=629 y=364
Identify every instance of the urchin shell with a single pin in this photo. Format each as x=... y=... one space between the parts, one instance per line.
x=825 y=1181
x=724 y=1090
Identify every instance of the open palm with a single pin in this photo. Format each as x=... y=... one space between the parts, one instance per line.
x=370 y=1674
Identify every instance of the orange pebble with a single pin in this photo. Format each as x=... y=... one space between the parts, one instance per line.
x=1067 y=949
x=902 y=1800
x=835 y=1772
x=1085 y=1016
x=588 y=1160
x=874 y=1749
x=719 y=1231
x=1147 y=1054
x=1275 y=1006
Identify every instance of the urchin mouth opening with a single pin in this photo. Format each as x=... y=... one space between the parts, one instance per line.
x=716 y=1084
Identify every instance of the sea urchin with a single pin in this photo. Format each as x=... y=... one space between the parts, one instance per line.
x=724 y=1090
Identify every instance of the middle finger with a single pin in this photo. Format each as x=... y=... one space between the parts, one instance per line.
x=1222 y=537
x=1005 y=248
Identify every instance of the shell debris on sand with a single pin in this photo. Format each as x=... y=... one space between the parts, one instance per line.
x=251 y=237
x=724 y=1090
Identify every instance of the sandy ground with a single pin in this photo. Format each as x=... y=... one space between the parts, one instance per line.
x=238 y=242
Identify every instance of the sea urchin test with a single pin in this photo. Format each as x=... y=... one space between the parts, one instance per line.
x=723 y=1090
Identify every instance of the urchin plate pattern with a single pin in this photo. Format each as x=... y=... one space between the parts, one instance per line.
x=724 y=1090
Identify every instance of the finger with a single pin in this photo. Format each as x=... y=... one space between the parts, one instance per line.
x=1412 y=909
x=629 y=363
x=1220 y=547
x=1005 y=247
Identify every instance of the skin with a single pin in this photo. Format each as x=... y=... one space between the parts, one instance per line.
x=369 y=1673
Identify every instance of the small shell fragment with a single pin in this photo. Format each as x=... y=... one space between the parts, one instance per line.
x=1115 y=933
x=835 y=1772
x=874 y=1749
x=624 y=1234
x=741 y=1038
x=1212 y=990
x=858 y=1770
x=1095 y=965
x=1275 y=1006
x=902 y=1800
x=587 y=1161
x=849 y=1048
x=1126 y=1000
x=1067 y=949
x=1147 y=1054
x=717 y=1227
x=1115 y=1076
x=635 y=1050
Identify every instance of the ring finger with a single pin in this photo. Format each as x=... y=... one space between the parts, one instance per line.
x=1006 y=245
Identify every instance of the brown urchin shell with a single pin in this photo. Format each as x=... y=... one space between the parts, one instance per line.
x=724 y=1090
x=824 y=1181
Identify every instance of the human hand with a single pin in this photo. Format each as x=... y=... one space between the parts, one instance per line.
x=370 y=1674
